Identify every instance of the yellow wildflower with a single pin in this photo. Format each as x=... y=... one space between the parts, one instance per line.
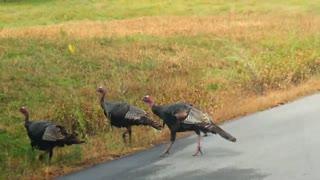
x=72 y=48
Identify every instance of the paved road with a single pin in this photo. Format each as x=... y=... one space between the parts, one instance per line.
x=278 y=144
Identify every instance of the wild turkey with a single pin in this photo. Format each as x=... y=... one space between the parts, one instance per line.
x=45 y=135
x=122 y=114
x=182 y=117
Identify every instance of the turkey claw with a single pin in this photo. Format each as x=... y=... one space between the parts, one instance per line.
x=197 y=152
x=164 y=153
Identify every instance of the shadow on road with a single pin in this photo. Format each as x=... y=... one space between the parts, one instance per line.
x=226 y=174
x=230 y=173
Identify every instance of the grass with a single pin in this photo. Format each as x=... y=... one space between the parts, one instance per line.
x=228 y=59
x=43 y=12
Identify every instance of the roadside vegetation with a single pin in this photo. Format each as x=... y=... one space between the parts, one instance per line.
x=230 y=58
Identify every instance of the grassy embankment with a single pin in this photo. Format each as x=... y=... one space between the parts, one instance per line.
x=230 y=59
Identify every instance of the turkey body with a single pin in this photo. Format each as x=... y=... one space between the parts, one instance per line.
x=124 y=115
x=45 y=135
x=181 y=117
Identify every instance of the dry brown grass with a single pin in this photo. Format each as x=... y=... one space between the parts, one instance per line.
x=240 y=105
x=232 y=25
x=182 y=70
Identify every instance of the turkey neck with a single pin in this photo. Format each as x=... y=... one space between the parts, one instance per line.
x=27 y=122
x=102 y=100
x=156 y=109
x=103 y=104
x=159 y=111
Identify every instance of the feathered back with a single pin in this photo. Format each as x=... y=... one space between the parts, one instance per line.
x=193 y=115
x=170 y=113
x=37 y=129
x=54 y=133
x=135 y=113
x=117 y=109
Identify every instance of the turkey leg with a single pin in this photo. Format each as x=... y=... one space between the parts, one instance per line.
x=198 y=147
x=124 y=135
x=173 y=138
x=129 y=131
x=50 y=154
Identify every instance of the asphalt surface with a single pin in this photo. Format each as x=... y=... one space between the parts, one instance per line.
x=278 y=144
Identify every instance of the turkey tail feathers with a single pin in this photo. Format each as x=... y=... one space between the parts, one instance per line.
x=73 y=140
x=216 y=129
x=147 y=121
x=156 y=125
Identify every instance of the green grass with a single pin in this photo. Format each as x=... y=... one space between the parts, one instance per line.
x=43 y=12
x=43 y=75
x=53 y=83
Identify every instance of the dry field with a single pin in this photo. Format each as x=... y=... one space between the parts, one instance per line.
x=230 y=65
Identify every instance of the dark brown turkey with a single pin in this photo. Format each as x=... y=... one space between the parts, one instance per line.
x=180 y=117
x=45 y=135
x=122 y=114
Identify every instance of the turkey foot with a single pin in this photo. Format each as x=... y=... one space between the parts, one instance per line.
x=42 y=155
x=166 y=151
x=197 y=151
